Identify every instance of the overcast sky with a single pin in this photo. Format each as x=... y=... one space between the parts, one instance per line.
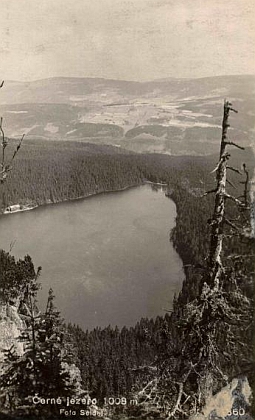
x=126 y=39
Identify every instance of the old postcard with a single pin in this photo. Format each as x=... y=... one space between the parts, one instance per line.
x=127 y=209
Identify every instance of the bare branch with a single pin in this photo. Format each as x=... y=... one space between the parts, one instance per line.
x=231 y=143
x=3 y=172
x=229 y=106
x=240 y=257
x=231 y=224
x=177 y=404
x=18 y=147
x=246 y=182
x=209 y=192
x=6 y=167
x=224 y=157
x=234 y=169
x=153 y=381
x=230 y=183
x=232 y=109
x=238 y=202
x=4 y=143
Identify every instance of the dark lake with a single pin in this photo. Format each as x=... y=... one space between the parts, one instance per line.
x=108 y=258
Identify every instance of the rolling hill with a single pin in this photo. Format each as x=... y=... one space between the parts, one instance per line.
x=173 y=116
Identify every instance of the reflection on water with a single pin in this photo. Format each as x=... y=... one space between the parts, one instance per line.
x=108 y=258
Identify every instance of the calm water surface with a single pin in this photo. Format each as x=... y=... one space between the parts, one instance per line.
x=108 y=258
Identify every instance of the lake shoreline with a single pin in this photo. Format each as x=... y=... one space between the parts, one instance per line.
x=102 y=253
x=30 y=206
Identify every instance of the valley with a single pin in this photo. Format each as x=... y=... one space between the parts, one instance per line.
x=171 y=116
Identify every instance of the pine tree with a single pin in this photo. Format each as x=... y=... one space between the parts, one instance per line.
x=211 y=340
x=54 y=352
x=43 y=369
x=207 y=343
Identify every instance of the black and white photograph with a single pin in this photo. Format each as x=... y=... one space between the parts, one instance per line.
x=127 y=215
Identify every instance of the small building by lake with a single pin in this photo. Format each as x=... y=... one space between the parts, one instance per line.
x=13 y=208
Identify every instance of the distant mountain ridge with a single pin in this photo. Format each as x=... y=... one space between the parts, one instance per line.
x=174 y=116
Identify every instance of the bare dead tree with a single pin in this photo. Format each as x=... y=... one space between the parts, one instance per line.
x=214 y=307
x=6 y=165
x=208 y=323
x=218 y=219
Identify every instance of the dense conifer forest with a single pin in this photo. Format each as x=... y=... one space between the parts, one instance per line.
x=55 y=171
x=123 y=362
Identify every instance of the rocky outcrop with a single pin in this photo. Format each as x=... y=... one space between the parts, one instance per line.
x=74 y=377
x=11 y=326
x=230 y=403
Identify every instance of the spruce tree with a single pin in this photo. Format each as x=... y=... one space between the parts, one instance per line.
x=210 y=337
x=44 y=368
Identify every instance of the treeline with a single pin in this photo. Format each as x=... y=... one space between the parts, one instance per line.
x=44 y=173
x=101 y=352
x=113 y=361
x=122 y=362
x=48 y=172
x=44 y=361
x=38 y=364
x=55 y=171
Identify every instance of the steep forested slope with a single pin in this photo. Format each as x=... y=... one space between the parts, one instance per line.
x=56 y=171
x=121 y=362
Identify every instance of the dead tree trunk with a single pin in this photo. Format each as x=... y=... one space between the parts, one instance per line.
x=5 y=167
x=214 y=261
x=217 y=222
